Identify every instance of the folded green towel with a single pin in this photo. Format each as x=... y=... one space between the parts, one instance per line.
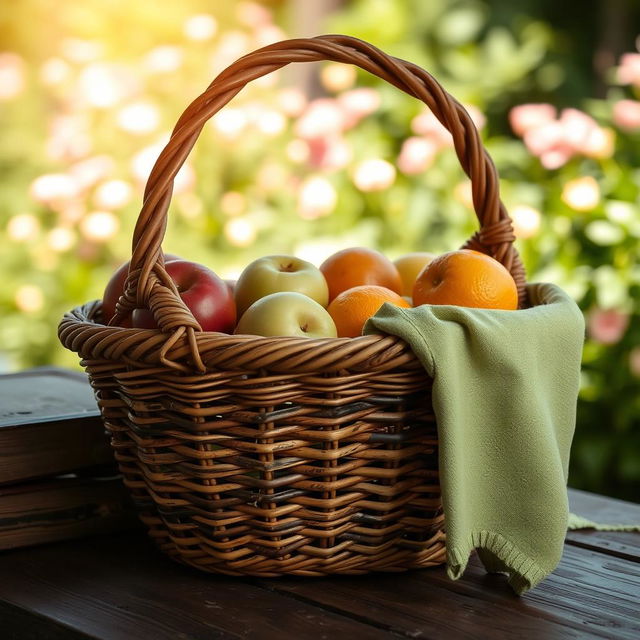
x=505 y=385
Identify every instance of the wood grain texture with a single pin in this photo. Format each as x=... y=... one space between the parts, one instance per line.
x=600 y=509
x=589 y=595
x=20 y=624
x=49 y=424
x=62 y=509
x=121 y=589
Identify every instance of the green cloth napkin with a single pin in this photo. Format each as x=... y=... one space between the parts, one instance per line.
x=578 y=522
x=505 y=385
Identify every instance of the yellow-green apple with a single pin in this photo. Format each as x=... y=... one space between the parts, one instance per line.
x=272 y=274
x=207 y=296
x=115 y=288
x=287 y=313
x=409 y=266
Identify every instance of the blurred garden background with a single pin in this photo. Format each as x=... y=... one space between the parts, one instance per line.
x=317 y=158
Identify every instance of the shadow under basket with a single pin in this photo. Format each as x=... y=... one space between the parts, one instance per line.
x=259 y=456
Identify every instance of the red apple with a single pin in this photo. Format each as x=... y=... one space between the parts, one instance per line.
x=206 y=295
x=115 y=288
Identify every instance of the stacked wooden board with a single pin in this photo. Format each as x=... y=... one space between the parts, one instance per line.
x=58 y=478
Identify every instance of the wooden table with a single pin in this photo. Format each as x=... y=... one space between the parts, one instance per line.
x=119 y=587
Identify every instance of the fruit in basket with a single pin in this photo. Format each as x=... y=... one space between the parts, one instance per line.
x=359 y=266
x=273 y=274
x=409 y=267
x=351 y=309
x=115 y=288
x=287 y=313
x=207 y=296
x=232 y=285
x=466 y=278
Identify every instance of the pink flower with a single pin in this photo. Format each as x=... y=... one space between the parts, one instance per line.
x=545 y=137
x=329 y=153
x=416 y=155
x=478 y=118
x=322 y=117
x=530 y=116
x=607 y=326
x=426 y=124
x=626 y=114
x=357 y=104
x=556 y=141
x=577 y=127
x=629 y=69
x=555 y=158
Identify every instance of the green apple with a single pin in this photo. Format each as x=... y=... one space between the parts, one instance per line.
x=272 y=274
x=287 y=313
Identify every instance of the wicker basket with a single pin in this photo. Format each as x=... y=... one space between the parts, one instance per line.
x=267 y=456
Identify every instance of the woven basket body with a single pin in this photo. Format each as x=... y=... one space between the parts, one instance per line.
x=270 y=456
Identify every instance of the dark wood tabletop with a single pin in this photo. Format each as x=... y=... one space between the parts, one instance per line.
x=119 y=587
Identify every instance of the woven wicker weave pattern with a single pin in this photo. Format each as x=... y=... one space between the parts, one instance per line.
x=269 y=456
x=317 y=457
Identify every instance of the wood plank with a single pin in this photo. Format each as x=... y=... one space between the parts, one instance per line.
x=49 y=425
x=63 y=508
x=18 y=624
x=623 y=544
x=590 y=595
x=121 y=588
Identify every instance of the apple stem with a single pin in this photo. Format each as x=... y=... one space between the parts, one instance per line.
x=286 y=267
x=304 y=327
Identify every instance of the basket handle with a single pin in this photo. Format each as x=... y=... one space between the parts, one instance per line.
x=149 y=285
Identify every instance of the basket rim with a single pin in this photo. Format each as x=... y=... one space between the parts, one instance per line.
x=81 y=331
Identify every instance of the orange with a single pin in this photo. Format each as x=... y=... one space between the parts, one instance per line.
x=409 y=266
x=468 y=279
x=350 y=309
x=357 y=266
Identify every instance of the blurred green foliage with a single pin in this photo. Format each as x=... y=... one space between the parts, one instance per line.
x=89 y=97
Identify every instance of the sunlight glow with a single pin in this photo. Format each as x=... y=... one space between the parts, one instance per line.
x=581 y=194
x=139 y=117
x=201 y=26
x=23 y=227
x=526 y=221
x=374 y=175
x=99 y=226
x=29 y=298
x=317 y=197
